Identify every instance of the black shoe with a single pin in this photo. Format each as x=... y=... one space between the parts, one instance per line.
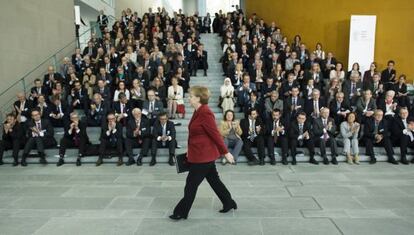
x=334 y=161
x=153 y=162
x=313 y=161
x=15 y=163
x=227 y=209
x=412 y=160
x=404 y=161
x=42 y=160
x=139 y=160
x=130 y=161
x=171 y=161
x=294 y=161
x=325 y=161
x=23 y=163
x=284 y=161
x=262 y=162
x=177 y=217
x=373 y=160
x=272 y=161
x=78 y=162
x=99 y=162
x=205 y=74
x=120 y=162
x=1 y=162
x=60 y=162
x=253 y=162
x=392 y=161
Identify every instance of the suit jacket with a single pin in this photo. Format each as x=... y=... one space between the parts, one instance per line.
x=170 y=129
x=269 y=106
x=127 y=108
x=294 y=130
x=17 y=133
x=99 y=114
x=369 y=128
x=288 y=105
x=318 y=127
x=46 y=126
x=346 y=88
x=82 y=131
x=27 y=108
x=361 y=105
x=397 y=127
x=282 y=122
x=117 y=136
x=144 y=126
x=158 y=108
x=381 y=105
x=245 y=126
x=205 y=143
x=309 y=106
x=46 y=80
x=106 y=93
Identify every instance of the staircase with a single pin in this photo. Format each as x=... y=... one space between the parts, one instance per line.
x=213 y=81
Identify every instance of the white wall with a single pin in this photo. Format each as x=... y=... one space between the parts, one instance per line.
x=31 y=31
x=141 y=6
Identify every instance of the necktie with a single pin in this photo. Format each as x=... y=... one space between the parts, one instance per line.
x=353 y=88
x=138 y=123
x=376 y=128
x=315 y=108
x=405 y=123
x=275 y=126
x=294 y=102
x=39 y=126
x=164 y=133
x=325 y=135
x=151 y=107
x=301 y=133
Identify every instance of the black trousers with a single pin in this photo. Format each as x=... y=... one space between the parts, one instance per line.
x=386 y=142
x=322 y=145
x=158 y=144
x=308 y=143
x=15 y=145
x=405 y=142
x=259 y=143
x=281 y=142
x=195 y=176
x=133 y=143
x=66 y=143
x=105 y=144
x=40 y=142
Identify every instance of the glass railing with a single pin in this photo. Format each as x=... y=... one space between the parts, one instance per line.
x=25 y=83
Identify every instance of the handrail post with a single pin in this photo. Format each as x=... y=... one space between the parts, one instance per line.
x=24 y=86
x=55 y=63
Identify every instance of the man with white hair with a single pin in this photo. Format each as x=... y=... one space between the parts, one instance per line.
x=388 y=105
x=324 y=129
x=314 y=105
x=138 y=135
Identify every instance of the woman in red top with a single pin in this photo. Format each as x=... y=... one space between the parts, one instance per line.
x=205 y=145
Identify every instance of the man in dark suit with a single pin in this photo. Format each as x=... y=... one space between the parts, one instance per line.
x=13 y=138
x=111 y=137
x=96 y=114
x=37 y=90
x=402 y=134
x=388 y=76
x=276 y=134
x=314 y=105
x=142 y=76
x=152 y=107
x=75 y=137
x=122 y=109
x=102 y=20
x=104 y=90
x=328 y=64
x=200 y=60
x=90 y=50
x=365 y=106
x=293 y=105
x=352 y=89
x=79 y=96
x=138 y=135
x=40 y=133
x=288 y=85
x=51 y=78
x=22 y=107
x=253 y=135
x=189 y=48
x=376 y=131
x=164 y=135
x=104 y=75
x=301 y=134
x=339 y=108
x=59 y=111
x=324 y=130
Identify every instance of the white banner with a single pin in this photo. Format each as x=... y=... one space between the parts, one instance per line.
x=362 y=41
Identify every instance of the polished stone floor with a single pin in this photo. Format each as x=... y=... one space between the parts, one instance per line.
x=302 y=199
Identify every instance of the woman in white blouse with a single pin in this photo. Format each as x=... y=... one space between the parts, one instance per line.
x=349 y=132
x=175 y=98
x=121 y=89
x=227 y=94
x=320 y=54
x=338 y=72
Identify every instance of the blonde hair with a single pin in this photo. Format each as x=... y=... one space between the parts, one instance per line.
x=202 y=92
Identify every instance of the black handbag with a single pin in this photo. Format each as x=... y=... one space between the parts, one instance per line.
x=181 y=163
